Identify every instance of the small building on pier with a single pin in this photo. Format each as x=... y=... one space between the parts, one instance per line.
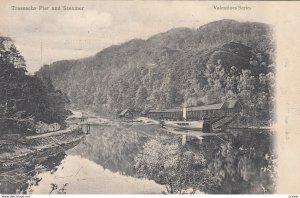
x=126 y=114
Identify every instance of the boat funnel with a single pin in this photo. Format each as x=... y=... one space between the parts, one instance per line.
x=184 y=115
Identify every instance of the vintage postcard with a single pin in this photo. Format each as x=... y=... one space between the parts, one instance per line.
x=149 y=97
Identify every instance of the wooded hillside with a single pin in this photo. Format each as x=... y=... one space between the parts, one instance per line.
x=220 y=60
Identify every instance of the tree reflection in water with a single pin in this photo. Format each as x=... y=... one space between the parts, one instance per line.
x=240 y=162
x=235 y=163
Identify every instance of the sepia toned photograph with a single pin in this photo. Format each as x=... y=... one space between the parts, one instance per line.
x=149 y=97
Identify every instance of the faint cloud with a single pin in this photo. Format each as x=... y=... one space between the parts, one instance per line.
x=47 y=36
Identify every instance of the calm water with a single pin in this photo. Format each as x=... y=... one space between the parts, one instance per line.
x=139 y=158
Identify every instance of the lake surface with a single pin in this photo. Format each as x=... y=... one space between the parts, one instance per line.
x=137 y=158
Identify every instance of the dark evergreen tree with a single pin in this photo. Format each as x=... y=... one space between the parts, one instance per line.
x=25 y=99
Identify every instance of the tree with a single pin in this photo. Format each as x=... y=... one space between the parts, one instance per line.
x=141 y=98
x=173 y=97
x=232 y=80
x=246 y=85
x=216 y=79
x=25 y=99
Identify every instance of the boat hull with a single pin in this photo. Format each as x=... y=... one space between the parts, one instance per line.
x=184 y=125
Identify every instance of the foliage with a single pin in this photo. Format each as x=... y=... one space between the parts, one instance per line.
x=61 y=190
x=53 y=188
x=220 y=60
x=25 y=99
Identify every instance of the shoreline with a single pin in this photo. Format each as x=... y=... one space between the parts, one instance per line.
x=21 y=150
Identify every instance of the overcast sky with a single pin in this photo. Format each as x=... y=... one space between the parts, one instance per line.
x=47 y=36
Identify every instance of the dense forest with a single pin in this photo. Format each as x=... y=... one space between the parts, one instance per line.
x=218 y=61
x=25 y=99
